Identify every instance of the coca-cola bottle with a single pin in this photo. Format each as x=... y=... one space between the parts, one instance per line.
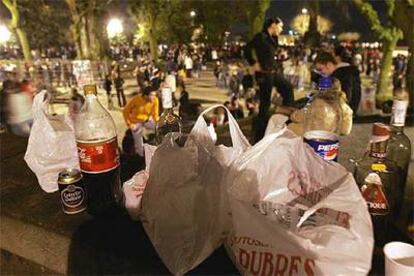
x=98 y=155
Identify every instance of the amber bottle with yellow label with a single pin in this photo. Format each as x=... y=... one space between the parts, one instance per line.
x=377 y=177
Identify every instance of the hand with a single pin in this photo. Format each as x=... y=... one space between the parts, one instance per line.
x=132 y=126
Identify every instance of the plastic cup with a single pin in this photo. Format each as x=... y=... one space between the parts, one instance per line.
x=399 y=259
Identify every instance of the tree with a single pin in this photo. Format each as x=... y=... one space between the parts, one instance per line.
x=149 y=13
x=301 y=24
x=256 y=15
x=87 y=27
x=15 y=25
x=312 y=37
x=404 y=18
x=46 y=26
x=387 y=33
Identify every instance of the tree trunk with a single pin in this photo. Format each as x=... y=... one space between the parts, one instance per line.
x=386 y=62
x=24 y=43
x=14 y=25
x=84 y=38
x=75 y=36
x=153 y=45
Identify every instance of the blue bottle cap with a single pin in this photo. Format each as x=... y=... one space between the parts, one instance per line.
x=325 y=83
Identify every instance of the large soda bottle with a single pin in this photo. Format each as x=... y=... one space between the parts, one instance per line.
x=98 y=154
x=399 y=151
x=168 y=121
x=323 y=119
x=377 y=177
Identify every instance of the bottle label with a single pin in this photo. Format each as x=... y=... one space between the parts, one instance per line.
x=98 y=157
x=379 y=167
x=399 y=110
x=376 y=200
x=326 y=147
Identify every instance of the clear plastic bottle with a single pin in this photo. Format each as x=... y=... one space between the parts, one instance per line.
x=323 y=120
x=168 y=121
x=98 y=150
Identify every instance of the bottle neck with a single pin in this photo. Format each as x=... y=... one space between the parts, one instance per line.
x=397 y=129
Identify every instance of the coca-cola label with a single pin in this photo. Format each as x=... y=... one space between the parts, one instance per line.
x=98 y=157
x=376 y=200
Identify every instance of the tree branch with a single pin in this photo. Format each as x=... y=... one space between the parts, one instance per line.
x=372 y=16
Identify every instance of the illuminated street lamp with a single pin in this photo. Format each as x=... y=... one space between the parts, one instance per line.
x=193 y=14
x=5 y=34
x=304 y=11
x=114 y=27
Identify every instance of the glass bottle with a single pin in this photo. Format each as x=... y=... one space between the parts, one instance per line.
x=377 y=177
x=399 y=150
x=323 y=119
x=168 y=121
x=98 y=151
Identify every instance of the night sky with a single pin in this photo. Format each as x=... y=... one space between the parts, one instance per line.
x=343 y=14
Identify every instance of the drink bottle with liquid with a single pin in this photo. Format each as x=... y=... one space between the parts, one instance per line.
x=323 y=118
x=98 y=151
x=399 y=151
x=377 y=178
x=168 y=121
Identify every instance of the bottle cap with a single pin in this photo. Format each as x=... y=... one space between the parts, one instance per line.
x=380 y=129
x=325 y=83
x=380 y=132
x=373 y=178
x=90 y=89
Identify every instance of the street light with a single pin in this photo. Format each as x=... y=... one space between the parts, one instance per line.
x=304 y=11
x=193 y=13
x=114 y=27
x=5 y=34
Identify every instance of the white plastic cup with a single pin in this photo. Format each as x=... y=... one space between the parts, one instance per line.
x=399 y=259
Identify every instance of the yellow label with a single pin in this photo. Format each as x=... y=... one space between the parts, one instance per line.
x=379 y=167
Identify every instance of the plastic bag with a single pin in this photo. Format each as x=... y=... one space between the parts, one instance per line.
x=134 y=188
x=183 y=206
x=52 y=145
x=295 y=214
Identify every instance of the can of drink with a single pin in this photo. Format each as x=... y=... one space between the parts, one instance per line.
x=72 y=191
x=324 y=143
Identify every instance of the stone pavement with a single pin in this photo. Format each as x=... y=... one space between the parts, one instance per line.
x=36 y=237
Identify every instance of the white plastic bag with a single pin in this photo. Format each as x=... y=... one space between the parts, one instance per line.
x=52 y=145
x=134 y=188
x=184 y=202
x=294 y=213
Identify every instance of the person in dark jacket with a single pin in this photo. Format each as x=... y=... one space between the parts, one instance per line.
x=108 y=89
x=119 y=87
x=347 y=74
x=265 y=44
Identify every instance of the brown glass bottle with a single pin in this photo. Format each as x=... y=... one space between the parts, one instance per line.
x=377 y=177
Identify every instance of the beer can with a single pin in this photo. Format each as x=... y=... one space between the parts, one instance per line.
x=72 y=191
x=324 y=143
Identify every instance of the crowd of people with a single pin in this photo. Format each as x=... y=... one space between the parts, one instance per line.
x=249 y=72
